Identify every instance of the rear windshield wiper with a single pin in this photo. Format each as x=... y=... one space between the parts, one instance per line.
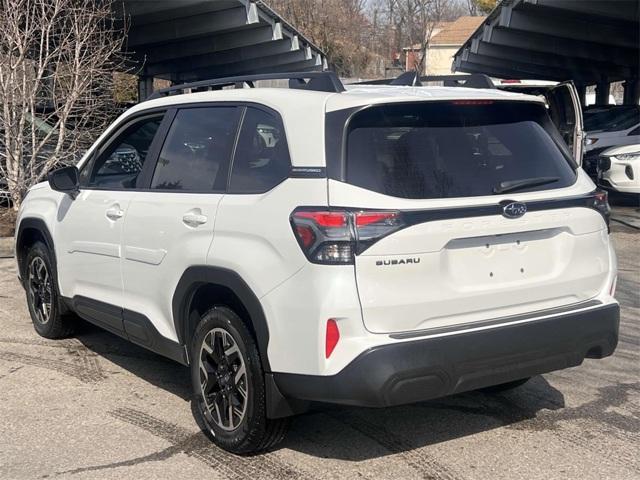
x=511 y=185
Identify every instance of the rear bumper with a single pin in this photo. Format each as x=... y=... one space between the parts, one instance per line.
x=413 y=371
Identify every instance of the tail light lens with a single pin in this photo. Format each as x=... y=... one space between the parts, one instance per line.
x=335 y=237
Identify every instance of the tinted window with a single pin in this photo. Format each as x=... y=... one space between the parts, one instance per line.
x=611 y=119
x=195 y=156
x=262 y=157
x=438 y=150
x=563 y=113
x=119 y=166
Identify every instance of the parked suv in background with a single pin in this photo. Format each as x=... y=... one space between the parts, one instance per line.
x=619 y=169
x=607 y=127
x=372 y=246
x=611 y=126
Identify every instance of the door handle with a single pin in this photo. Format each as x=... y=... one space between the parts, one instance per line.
x=194 y=219
x=114 y=213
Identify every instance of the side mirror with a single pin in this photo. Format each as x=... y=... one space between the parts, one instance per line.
x=65 y=180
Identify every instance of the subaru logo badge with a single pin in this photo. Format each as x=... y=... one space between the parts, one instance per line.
x=514 y=210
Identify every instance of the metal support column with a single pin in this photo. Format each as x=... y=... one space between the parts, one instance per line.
x=145 y=87
x=631 y=92
x=602 y=93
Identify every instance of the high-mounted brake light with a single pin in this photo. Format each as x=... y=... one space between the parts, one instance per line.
x=509 y=81
x=335 y=237
x=472 y=102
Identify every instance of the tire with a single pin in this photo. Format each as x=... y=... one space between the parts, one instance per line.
x=234 y=378
x=50 y=318
x=503 y=387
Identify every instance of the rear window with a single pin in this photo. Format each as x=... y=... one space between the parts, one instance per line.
x=456 y=149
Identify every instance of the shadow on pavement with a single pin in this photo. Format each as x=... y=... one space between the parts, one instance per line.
x=624 y=200
x=153 y=368
x=337 y=432
x=356 y=434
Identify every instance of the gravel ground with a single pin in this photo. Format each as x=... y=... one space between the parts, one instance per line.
x=95 y=406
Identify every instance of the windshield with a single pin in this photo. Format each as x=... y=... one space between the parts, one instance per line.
x=611 y=119
x=455 y=149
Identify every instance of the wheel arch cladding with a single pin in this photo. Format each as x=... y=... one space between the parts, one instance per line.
x=205 y=286
x=29 y=232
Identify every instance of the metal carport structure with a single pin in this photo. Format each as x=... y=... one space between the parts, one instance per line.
x=592 y=42
x=191 y=40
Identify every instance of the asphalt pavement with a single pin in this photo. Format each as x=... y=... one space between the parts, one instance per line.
x=95 y=406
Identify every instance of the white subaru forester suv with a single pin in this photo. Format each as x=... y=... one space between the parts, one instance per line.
x=371 y=246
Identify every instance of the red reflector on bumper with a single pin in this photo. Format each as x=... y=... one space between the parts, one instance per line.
x=332 y=337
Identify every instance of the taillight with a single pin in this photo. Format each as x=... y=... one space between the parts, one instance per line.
x=336 y=236
x=371 y=226
x=600 y=202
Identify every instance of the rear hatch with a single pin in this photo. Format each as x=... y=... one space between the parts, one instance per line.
x=483 y=214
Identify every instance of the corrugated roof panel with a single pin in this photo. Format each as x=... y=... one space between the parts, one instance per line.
x=585 y=41
x=190 y=40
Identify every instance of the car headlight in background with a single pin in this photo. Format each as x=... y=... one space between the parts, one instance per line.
x=628 y=157
x=590 y=141
x=604 y=162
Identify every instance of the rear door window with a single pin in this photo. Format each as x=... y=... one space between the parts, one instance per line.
x=262 y=158
x=456 y=149
x=196 y=153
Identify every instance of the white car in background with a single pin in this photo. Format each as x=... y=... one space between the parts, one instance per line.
x=619 y=169
x=611 y=126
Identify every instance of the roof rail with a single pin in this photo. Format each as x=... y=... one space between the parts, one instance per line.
x=447 y=80
x=410 y=79
x=476 y=80
x=317 y=81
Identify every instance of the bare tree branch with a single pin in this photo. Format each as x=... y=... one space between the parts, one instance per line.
x=57 y=64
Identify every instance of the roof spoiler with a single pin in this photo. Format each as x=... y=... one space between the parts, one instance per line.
x=316 y=81
x=411 y=79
